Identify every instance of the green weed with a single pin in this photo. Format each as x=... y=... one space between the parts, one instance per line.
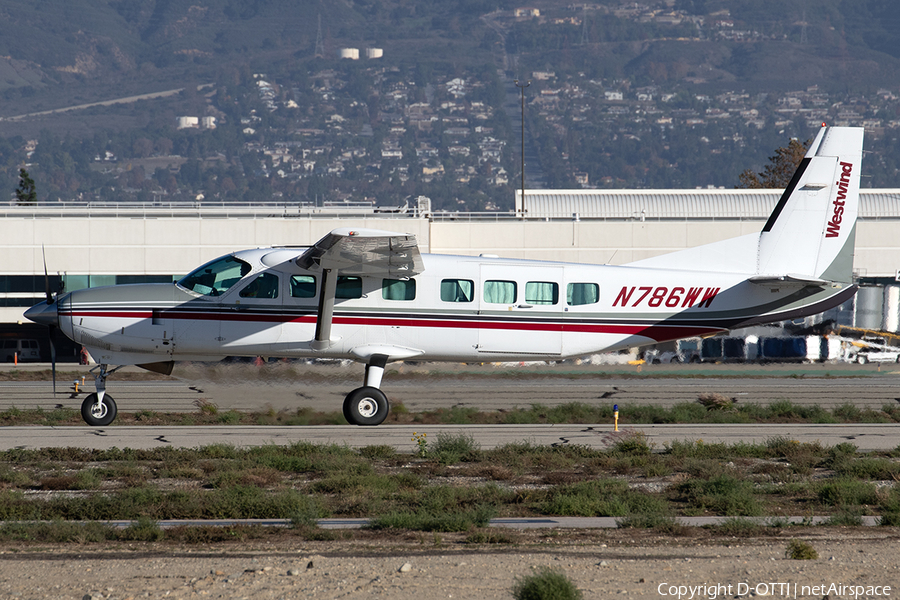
x=800 y=550
x=545 y=584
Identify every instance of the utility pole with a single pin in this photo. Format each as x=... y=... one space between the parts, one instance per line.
x=320 y=47
x=522 y=87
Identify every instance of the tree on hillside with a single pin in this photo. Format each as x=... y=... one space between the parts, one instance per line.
x=780 y=169
x=25 y=192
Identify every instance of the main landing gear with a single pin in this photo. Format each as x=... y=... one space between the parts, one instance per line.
x=368 y=405
x=99 y=409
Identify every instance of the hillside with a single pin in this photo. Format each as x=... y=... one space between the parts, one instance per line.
x=679 y=93
x=56 y=49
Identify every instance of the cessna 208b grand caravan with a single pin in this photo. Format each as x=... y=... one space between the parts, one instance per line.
x=370 y=296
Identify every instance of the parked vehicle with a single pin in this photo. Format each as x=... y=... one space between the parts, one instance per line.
x=27 y=350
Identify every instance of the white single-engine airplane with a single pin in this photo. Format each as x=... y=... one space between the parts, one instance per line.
x=370 y=296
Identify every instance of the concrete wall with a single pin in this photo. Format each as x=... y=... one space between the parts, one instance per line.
x=176 y=245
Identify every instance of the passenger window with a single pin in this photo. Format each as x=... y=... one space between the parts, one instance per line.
x=500 y=292
x=398 y=289
x=457 y=290
x=10 y=344
x=578 y=294
x=303 y=286
x=348 y=287
x=264 y=286
x=541 y=292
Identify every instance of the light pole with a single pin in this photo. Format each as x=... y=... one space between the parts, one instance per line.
x=522 y=87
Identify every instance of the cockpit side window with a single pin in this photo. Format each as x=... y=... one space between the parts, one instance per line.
x=264 y=286
x=214 y=278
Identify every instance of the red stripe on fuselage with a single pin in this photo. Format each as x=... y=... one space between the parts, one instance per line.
x=656 y=331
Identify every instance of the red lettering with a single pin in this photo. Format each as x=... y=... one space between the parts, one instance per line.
x=673 y=299
x=659 y=294
x=623 y=297
x=648 y=290
x=833 y=227
x=691 y=297
x=708 y=297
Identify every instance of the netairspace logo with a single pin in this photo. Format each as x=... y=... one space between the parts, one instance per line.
x=712 y=591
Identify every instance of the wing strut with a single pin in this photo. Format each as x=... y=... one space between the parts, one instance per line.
x=326 y=310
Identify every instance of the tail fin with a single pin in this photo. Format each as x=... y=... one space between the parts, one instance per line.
x=811 y=232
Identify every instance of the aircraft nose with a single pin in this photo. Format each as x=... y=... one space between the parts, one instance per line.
x=43 y=313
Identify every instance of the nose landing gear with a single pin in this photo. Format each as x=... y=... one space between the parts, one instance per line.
x=99 y=409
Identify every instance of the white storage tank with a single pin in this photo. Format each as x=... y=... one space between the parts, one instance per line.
x=351 y=53
x=374 y=52
x=187 y=122
x=869 y=303
x=891 y=312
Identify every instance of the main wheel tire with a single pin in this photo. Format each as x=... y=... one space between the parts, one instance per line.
x=366 y=406
x=98 y=416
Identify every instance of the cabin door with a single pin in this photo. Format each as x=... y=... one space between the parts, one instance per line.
x=520 y=308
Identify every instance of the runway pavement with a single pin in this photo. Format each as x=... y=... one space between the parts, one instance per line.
x=288 y=387
x=866 y=436
x=248 y=388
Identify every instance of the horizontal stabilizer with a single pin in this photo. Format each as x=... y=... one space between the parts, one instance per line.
x=790 y=280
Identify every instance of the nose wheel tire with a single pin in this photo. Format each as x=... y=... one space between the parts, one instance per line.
x=366 y=406
x=101 y=414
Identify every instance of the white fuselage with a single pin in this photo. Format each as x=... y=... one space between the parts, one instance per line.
x=458 y=309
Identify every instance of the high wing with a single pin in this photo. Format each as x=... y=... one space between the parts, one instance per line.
x=360 y=252
x=365 y=252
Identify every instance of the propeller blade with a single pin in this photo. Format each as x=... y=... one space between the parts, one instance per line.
x=53 y=356
x=47 y=291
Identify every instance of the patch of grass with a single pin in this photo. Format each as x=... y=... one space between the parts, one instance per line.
x=545 y=584
x=661 y=523
x=58 y=532
x=845 y=492
x=627 y=441
x=144 y=529
x=598 y=498
x=845 y=518
x=739 y=527
x=890 y=519
x=723 y=494
x=450 y=449
x=377 y=452
x=868 y=468
x=433 y=520
x=800 y=550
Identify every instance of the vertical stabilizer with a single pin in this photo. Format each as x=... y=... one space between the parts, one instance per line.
x=811 y=232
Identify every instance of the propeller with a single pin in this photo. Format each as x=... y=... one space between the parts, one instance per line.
x=50 y=300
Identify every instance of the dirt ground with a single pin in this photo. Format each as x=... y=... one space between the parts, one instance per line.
x=852 y=563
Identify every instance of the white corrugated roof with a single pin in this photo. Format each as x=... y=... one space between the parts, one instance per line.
x=681 y=204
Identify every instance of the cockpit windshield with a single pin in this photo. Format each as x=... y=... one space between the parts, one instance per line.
x=214 y=278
